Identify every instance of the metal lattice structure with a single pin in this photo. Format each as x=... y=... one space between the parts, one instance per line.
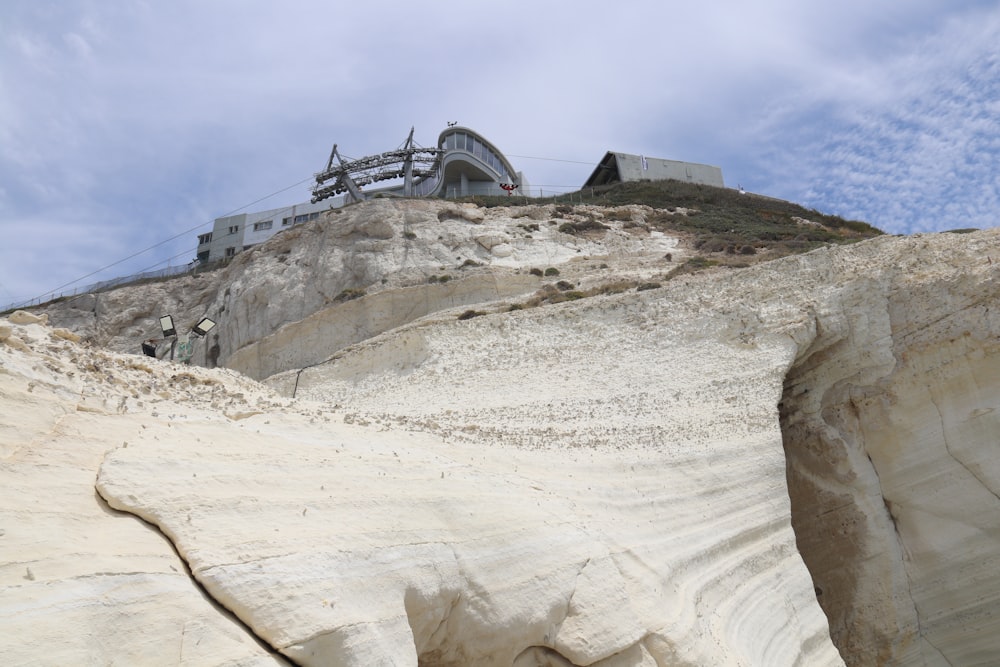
x=409 y=162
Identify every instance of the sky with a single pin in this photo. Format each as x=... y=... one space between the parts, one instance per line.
x=128 y=126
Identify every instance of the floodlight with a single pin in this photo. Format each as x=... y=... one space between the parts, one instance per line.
x=203 y=327
x=167 y=326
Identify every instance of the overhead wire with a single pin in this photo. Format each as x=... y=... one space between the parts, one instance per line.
x=237 y=210
x=548 y=159
x=165 y=241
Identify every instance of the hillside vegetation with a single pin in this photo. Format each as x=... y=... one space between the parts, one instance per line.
x=720 y=219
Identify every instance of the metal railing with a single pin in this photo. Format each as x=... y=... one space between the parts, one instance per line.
x=103 y=286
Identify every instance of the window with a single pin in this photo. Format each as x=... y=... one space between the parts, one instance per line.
x=260 y=226
x=234 y=228
x=230 y=252
x=301 y=218
x=204 y=238
x=313 y=216
x=285 y=222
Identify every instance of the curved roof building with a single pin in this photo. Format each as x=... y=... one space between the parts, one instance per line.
x=463 y=163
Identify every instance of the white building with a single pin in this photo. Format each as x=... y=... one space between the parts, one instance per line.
x=235 y=233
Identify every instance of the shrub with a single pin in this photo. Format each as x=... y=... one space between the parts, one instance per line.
x=349 y=294
x=565 y=285
x=443 y=279
x=409 y=235
x=616 y=287
x=536 y=272
x=647 y=286
x=470 y=262
x=619 y=214
x=552 y=271
x=469 y=314
x=699 y=262
x=589 y=224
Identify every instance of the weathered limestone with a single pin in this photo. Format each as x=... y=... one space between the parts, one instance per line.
x=81 y=584
x=891 y=428
x=320 y=335
x=377 y=246
x=611 y=481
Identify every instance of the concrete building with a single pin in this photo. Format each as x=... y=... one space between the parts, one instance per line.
x=235 y=233
x=623 y=167
x=463 y=163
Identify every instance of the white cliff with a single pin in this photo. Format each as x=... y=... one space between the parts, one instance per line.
x=409 y=258
x=608 y=481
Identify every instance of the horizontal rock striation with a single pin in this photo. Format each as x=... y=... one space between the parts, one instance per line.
x=788 y=464
x=444 y=254
x=82 y=584
x=891 y=426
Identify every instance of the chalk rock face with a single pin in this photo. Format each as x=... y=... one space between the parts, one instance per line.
x=600 y=482
x=892 y=424
x=81 y=584
x=590 y=498
x=359 y=251
x=610 y=481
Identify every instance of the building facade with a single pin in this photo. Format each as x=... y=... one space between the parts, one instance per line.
x=623 y=167
x=233 y=234
x=463 y=163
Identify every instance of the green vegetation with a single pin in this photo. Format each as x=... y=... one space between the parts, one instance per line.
x=719 y=220
x=350 y=293
x=439 y=279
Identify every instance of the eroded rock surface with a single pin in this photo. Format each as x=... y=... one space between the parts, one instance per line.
x=892 y=433
x=82 y=584
x=598 y=482
x=410 y=258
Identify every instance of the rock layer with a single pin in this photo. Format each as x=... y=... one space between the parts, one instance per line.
x=891 y=431
x=601 y=482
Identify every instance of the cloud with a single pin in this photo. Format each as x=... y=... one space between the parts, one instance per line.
x=126 y=123
x=917 y=155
